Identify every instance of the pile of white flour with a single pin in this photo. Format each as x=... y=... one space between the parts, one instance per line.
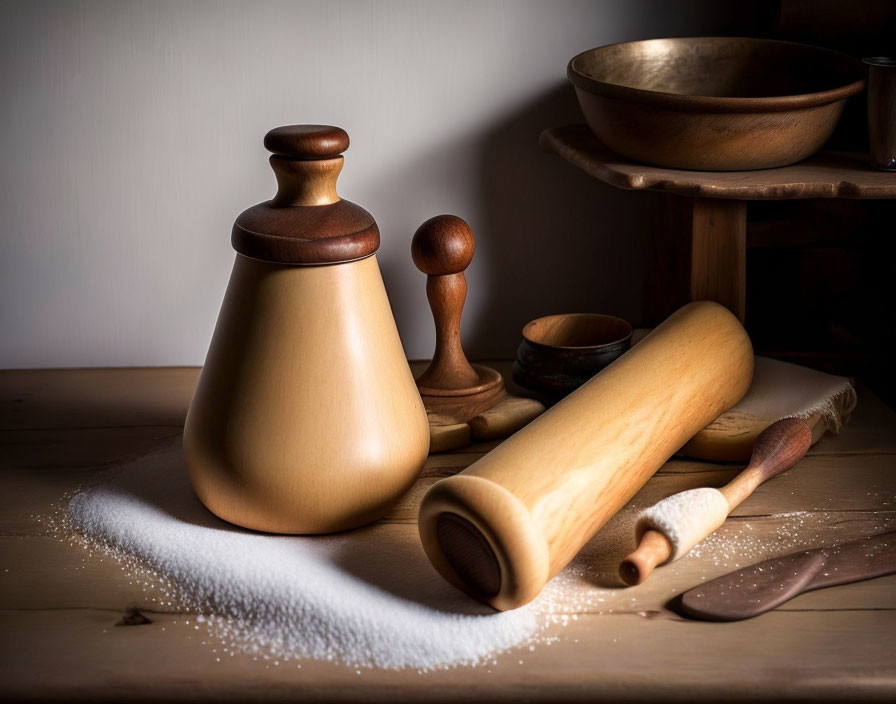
x=359 y=598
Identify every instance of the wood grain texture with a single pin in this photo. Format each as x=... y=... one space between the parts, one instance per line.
x=449 y=372
x=60 y=606
x=306 y=222
x=307 y=141
x=443 y=245
x=448 y=437
x=703 y=241
x=719 y=253
x=698 y=252
x=541 y=495
x=764 y=586
x=306 y=418
x=667 y=256
x=305 y=183
x=825 y=175
x=714 y=103
x=654 y=549
x=505 y=418
x=731 y=436
x=306 y=234
x=451 y=388
x=778 y=448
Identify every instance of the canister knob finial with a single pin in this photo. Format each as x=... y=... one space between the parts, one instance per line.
x=307 y=141
x=306 y=222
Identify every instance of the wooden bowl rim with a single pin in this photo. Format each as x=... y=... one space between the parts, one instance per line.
x=528 y=326
x=708 y=103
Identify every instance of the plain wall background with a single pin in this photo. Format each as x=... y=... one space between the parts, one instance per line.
x=132 y=137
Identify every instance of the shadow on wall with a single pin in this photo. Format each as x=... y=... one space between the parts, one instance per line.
x=551 y=239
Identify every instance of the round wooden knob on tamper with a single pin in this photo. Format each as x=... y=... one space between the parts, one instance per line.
x=452 y=389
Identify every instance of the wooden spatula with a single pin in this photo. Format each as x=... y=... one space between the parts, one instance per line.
x=766 y=585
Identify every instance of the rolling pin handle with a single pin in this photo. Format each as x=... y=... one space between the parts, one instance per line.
x=653 y=550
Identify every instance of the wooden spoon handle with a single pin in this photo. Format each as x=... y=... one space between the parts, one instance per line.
x=778 y=448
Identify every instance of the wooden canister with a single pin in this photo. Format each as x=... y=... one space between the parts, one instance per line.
x=511 y=521
x=306 y=418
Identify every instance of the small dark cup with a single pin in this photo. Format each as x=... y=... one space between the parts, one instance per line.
x=559 y=353
x=882 y=111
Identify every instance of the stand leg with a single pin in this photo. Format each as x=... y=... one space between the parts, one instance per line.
x=719 y=253
x=697 y=250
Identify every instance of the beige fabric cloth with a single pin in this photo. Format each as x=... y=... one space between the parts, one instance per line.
x=784 y=390
x=779 y=390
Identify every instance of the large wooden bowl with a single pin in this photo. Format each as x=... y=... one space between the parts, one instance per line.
x=714 y=103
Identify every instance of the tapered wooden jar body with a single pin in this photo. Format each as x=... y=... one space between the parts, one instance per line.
x=306 y=418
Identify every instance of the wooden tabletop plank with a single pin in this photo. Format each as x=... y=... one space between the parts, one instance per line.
x=86 y=398
x=103 y=398
x=93 y=581
x=59 y=606
x=619 y=657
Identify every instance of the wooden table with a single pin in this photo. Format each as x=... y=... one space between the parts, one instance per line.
x=59 y=429
x=708 y=226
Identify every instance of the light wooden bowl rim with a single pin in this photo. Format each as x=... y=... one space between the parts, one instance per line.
x=527 y=331
x=705 y=103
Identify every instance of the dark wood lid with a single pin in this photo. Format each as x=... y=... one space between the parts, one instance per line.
x=306 y=141
x=307 y=222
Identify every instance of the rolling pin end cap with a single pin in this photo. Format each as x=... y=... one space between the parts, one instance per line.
x=653 y=551
x=482 y=540
x=631 y=573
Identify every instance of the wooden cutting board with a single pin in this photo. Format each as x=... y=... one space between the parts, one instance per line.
x=779 y=390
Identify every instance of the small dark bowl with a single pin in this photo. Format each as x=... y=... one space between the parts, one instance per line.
x=559 y=353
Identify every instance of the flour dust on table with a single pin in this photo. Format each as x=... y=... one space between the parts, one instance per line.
x=368 y=597
x=328 y=598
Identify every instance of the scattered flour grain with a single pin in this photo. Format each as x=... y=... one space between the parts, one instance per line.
x=685 y=518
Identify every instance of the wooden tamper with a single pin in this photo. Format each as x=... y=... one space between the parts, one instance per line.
x=452 y=389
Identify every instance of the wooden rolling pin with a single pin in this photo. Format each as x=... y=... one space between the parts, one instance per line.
x=672 y=527
x=503 y=527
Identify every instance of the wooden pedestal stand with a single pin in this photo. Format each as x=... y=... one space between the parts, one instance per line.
x=703 y=238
